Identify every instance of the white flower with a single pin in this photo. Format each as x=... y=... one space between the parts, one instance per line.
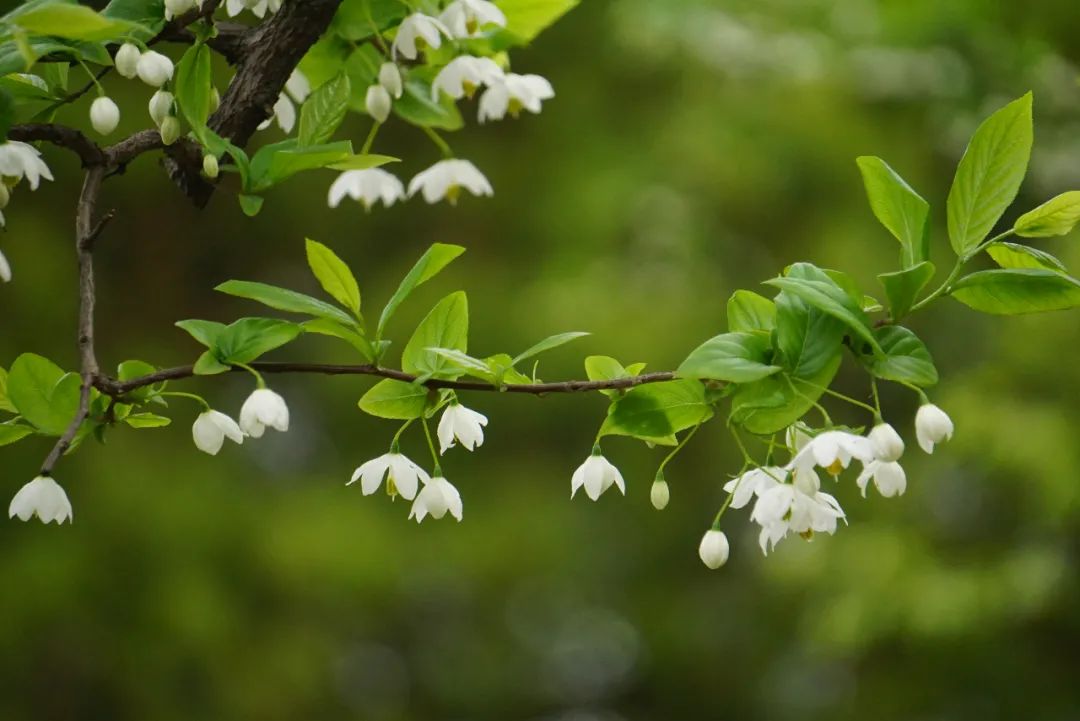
x=886 y=443
x=513 y=94
x=284 y=114
x=659 y=494
x=127 y=60
x=889 y=477
x=932 y=425
x=416 y=31
x=5 y=269
x=367 y=186
x=462 y=424
x=154 y=69
x=833 y=451
x=596 y=474
x=436 y=498
x=402 y=475
x=42 y=497
x=263 y=408
x=211 y=429
x=714 y=549
x=796 y=437
x=753 y=483
x=257 y=7
x=104 y=115
x=297 y=86
x=19 y=160
x=390 y=78
x=445 y=180
x=161 y=106
x=463 y=75
x=175 y=8
x=799 y=506
x=465 y=18
x=377 y=102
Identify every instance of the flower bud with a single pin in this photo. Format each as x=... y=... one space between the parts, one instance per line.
x=886 y=443
x=104 y=115
x=390 y=78
x=932 y=425
x=215 y=99
x=378 y=103
x=170 y=130
x=210 y=165
x=5 y=195
x=154 y=69
x=175 y=8
x=659 y=494
x=161 y=106
x=714 y=549
x=5 y=268
x=127 y=60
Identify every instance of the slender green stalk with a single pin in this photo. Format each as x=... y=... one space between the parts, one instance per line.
x=443 y=146
x=192 y=396
x=946 y=287
x=437 y=470
x=370 y=140
x=677 y=448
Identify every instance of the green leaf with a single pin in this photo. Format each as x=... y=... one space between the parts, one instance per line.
x=5 y=401
x=434 y=259
x=363 y=162
x=250 y=204
x=772 y=404
x=73 y=22
x=248 y=338
x=362 y=67
x=285 y=299
x=204 y=331
x=747 y=311
x=734 y=357
x=525 y=19
x=360 y=19
x=989 y=175
x=898 y=207
x=471 y=366
x=1057 y=216
x=396 y=400
x=808 y=339
x=906 y=358
x=606 y=368
x=655 y=412
x=1017 y=290
x=816 y=288
x=43 y=393
x=417 y=107
x=131 y=369
x=208 y=365
x=1012 y=255
x=147 y=420
x=547 y=344
x=275 y=163
x=904 y=286
x=322 y=326
x=446 y=326
x=13 y=433
x=323 y=111
x=193 y=86
x=333 y=275
x=148 y=15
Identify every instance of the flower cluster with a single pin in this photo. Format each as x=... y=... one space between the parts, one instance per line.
x=17 y=161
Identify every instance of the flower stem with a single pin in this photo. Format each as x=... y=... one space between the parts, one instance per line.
x=397 y=436
x=260 y=383
x=443 y=146
x=370 y=140
x=437 y=470
x=676 y=449
x=946 y=287
x=192 y=396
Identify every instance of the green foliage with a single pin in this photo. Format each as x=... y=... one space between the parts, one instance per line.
x=434 y=259
x=445 y=326
x=396 y=400
x=549 y=343
x=193 y=85
x=323 y=111
x=43 y=393
x=1012 y=255
x=905 y=360
x=284 y=299
x=735 y=357
x=240 y=342
x=333 y=275
x=772 y=404
x=525 y=19
x=1017 y=290
x=747 y=312
x=900 y=209
x=606 y=368
x=904 y=286
x=1057 y=216
x=655 y=413
x=72 y=22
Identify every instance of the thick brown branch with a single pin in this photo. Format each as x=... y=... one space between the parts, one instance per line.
x=117 y=388
x=87 y=150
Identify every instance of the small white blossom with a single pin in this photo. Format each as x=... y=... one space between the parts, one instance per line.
x=886 y=443
x=211 y=429
x=714 y=549
x=889 y=478
x=512 y=94
x=402 y=475
x=463 y=75
x=416 y=31
x=436 y=498
x=20 y=160
x=154 y=69
x=263 y=408
x=459 y=423
x=367 y=186
x=42 y=497
x=297 y=86
x=932 y=425
x=175 y=8
x=104 y=115
x=5 y=268
x=753 y=483
x=659 y=494
x=390 y=78
x=284 y=115
x=596 y=475
x=465 y=18
x=127 y=60
x=257 y=7
x=796 y=437
x=799 y=506
x=161 y=106
x=445 y=180
x=377 y=102
x=833 y=451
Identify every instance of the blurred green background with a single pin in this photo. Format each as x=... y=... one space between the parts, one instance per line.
x=694 y=147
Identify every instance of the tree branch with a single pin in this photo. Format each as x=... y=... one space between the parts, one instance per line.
x=88 y=151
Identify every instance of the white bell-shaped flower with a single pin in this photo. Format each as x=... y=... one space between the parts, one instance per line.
x=799 y=506
x=20 y=160
x=932 y=425
x=714 y=549
x=154 y=69
x=104 y=115
x=367 y=186
x=416 y=31
x=378 y=103
x=402 y=475
x=127 y=60
x=886 y=443
x=512 y=94
x=297 y=86
x=176 y=8
x=446 y=178
x=284 y=115
x=211 y=429
x=42 y=497
x=596 y=475
x=390 y=78
x=889 y=478
x=463 y=75
x=263 y=408
x=161 y=106
x=436 y=498
x=465 y=18
x=258 y=8
x=5 y=268
x=459 y=423
x=833 y=451
x=753 y=483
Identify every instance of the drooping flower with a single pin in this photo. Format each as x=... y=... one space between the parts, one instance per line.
x=42 y=497
x=465 y=18
x=799 y=506
x=390 y=78
x=5 y=268
x=263 y=408
x=512 y=94
x=161 y=106
x=378 y=103
x=104 y=115
x=596 y=475
x=886 y=443
x=459 y=423
x=402 y=475
x=659 y=494
x=127 y=60
x=889 y=478
x=154 y=69
x=753 y=483
x=416 y=31
x=257 y=7
x=714 y=549
x=446 y=178
x=932 y=425
x=436 y=498
x=833 y=451
x=297 y=88
x=463 y=75
x=367 y=186
x=176 y=8
x=20 y=160
x=211 y=429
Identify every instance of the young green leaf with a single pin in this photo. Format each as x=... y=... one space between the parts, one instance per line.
x=43 y=393
x=1017 y=290
x=208 y=365
x=204 y=331
x=11 y=433
x=323 y=111
x=333 y=275
x=989 y=175
x=772 y=404
x=547 y=344
x=1056 y=216
x=417 y=107
x=396 y=400
x=656 y=412
x=434 y=259
x=147 y=420
x=248 y=338
x=808 y=339
x=606 y=368
x=363 y=162
x=904 y=286
x=250 y=204
x=273 y=164
x=5 y=401
x=1012 y=255
x=285 y=299
x=193 y=86
x=747 y=311
x=906 y=358
x=734 y=357
x=815 y=287
x=525 y=19
x=472 y=366
x=446 y=326
x=322 y=326
x=898 y=207
x=73 y=22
